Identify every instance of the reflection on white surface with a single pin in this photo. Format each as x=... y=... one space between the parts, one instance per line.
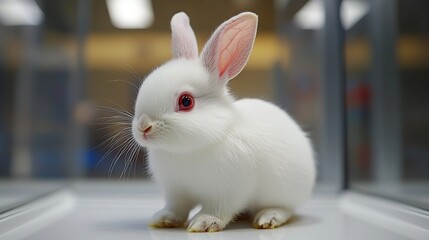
x=13 y=193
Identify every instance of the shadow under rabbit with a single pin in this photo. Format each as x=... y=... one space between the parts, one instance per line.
x=141 y=225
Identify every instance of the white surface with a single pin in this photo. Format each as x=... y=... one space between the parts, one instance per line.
x=399 y=218
x=121 y=211
x=13 y=192
x=24 y=220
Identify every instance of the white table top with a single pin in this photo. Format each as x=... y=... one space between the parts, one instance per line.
x=105 y=211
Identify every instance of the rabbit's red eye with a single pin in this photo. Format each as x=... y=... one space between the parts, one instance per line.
x=186 y=102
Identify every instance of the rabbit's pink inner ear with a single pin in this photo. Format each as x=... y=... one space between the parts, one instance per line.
x=235 y=44
x=184 y=42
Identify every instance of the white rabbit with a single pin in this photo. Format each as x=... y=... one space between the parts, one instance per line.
x=205 y=148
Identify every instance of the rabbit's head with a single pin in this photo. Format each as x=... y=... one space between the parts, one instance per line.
x=184 y=105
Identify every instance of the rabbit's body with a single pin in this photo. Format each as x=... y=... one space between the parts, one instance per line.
x=247 y=168
x=206 y=148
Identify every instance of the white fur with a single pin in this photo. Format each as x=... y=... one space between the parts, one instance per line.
x=228 y=156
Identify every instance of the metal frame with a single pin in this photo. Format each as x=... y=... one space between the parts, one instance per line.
x=333 y=155
x=385 y=111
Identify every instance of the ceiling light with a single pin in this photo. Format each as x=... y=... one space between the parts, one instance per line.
x=20 y=12
x=352 y=12
x=312 y=15
x=129 y=14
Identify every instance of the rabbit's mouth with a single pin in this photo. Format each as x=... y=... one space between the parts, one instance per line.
x=146 y=131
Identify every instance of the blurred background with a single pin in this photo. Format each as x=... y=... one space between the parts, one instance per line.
x=353 y=73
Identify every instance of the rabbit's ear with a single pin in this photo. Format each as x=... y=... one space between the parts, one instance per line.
x=183 y=37
x=228 y=49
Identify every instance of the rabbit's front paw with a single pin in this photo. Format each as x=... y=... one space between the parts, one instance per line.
x=271 y=218
x=166 y=219
x=205 y=223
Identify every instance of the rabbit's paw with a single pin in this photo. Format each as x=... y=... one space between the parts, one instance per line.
x=165 y=219
x=271 y=218
x=205 y=223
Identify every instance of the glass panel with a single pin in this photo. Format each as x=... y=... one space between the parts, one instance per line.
x=387 y=58
x=284 y=69
x=307 y=82
x=37 y=67
x=115 y=75
x=69 y=78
